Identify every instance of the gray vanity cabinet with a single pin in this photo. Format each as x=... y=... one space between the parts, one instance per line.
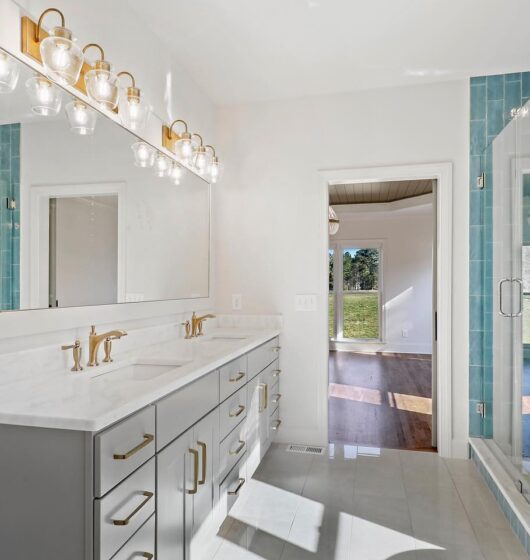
x=187 y=492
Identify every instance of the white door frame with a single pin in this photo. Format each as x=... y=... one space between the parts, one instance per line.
x=443 y=174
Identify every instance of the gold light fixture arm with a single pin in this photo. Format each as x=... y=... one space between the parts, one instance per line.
x=133 y=81
x=42 y=16
x=170 y=130
x=199 y=137
x=211 y=148
x=96 y=46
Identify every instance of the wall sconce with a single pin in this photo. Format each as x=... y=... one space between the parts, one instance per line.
x=61 y=57
x=333 y=221
x=176 y=173
x=132 y=110
x=9 y=72
x=100 y=81
x=180 y=144
x=144 y=154
x=45 y=98
x=82 y=119
x=162 y=165
x=214 y=167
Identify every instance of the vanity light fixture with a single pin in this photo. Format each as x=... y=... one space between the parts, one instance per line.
x=180 y=144
x=81 y=117
x=176 y=173
x=162 y=165
x=144 y=154
x=132 y=110
x=200 y=160
x=9 y=72
x=333 y=221
x=61 y=57
x=46 y=99
x=101 y=82
x=214 y=167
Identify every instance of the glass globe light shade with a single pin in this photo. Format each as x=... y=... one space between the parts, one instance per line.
x=176 y=173
x=61 y=57
x=200 y=159
x=45 y=98
x=133 y=111
x=333 y=221
x=162 y=165
x=184 y=147
x=82 y=119
x=101 y=85
x=144 y=154
x=9 y=72
x=214 y=170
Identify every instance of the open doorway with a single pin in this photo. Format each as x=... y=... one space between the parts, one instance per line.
x=382 y=313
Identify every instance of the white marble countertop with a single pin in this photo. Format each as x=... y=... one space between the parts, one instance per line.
x=95 y=398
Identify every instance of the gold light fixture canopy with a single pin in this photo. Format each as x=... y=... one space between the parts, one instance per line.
x=132 y=109
x=180 y=144
x=9 y=73
x=61 y=57
x=101 y=82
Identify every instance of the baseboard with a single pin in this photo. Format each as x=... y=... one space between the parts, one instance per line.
x=375 y=347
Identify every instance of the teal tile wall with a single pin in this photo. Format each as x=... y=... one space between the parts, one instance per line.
x=9 y=218
x=492 y=99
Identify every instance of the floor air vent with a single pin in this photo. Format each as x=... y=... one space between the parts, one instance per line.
x=306 y=449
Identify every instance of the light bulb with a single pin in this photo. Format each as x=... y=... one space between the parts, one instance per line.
x=176 y=173
x=214 y=170
x=133 y=111
x=185 y=149
x=45 y=98
x=200 y=162
x=101 y=85
x=61 y=57
x=161 y=165
x=9 y=72
x=144 y=155
x=82 y=118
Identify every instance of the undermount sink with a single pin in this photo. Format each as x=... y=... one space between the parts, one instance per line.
x=139 y=371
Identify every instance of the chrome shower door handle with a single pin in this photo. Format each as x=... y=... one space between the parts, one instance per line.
x=520 y=310
x=501 y=284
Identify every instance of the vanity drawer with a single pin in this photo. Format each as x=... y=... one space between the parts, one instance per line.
x=232 y=376
x=233 y=485
x=142 y=544
x=182 y=409
x=262 y=356
x=120 y=450
x=232 y=449
x=232 y=411
x=119 y=514
x=275 y=422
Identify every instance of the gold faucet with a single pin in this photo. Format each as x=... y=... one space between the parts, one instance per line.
x=94 y=341
x=76 y=352
x=196 y=324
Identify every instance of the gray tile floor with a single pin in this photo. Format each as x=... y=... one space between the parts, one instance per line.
x=366 y=504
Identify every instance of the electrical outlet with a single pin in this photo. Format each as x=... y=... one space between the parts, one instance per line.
x=237 y=302
x=405 y=333
x=306 y=302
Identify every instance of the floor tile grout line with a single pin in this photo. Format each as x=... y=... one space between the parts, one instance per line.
x=413 y=535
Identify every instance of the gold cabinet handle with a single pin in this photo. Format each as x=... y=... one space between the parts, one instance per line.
x=147 y=555
x=148 y=438
x=276 y=398
x=276 y=373
x=203 y=447
x=121 y=522
x=276 y=348
x=239 y=448
x=237 y=378
x=238 y=411
x=276 y=425
x=266 y=395
x=195 y=454
x=261 y=406
x=238 y=488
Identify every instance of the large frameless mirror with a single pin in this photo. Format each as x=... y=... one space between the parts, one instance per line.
x=85 y=216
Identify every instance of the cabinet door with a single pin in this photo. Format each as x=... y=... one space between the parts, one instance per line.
x=176 y=469
x=203 y=540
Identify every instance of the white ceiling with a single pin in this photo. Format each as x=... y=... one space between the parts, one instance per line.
x=248 y=50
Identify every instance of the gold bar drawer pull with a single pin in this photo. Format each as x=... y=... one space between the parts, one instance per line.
x=195 y=454
x=237 y=378
x=122 y=522
x=148 y=438
x=276 y=425
x=147 y=555
x=239 y=410
x=276 y=348
x=276 y=373
x=235 y=492
x=238 y=449
x=276 y=398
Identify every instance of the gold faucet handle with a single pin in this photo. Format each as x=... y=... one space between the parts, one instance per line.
x=76 y=352
x=187 y=326
x=108 y=349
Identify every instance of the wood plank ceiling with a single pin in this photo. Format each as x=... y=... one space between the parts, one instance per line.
x=385 y=191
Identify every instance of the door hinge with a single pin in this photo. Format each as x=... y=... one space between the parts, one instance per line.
x=481 y=409
x=436 y=326
x=481 y=180
x=11 y=204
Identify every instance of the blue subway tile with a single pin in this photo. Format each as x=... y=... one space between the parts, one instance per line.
x=495 y=116
x=495 y=87
x=478 y=102
x=478 y=137
x=512 y=99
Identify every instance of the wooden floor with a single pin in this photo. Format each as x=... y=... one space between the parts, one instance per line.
x=380 y=400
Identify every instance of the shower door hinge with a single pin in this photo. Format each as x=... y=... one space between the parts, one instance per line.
x=481 y=409
x=11 y=204
x=481 y=180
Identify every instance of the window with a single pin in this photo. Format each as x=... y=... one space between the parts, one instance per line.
x=354 y=291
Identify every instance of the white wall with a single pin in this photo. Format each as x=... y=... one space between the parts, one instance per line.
x=269 y=213
x=407 y=265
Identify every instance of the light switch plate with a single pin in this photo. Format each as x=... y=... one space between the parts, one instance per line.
x=306 y=302
x=237 y=302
